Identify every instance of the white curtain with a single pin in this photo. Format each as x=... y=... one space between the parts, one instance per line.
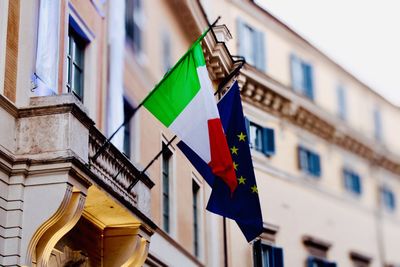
x=47 y=48
x=116 y=31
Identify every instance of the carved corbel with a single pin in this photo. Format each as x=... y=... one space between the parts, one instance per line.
x=70 y=217
x=125 y=246
x=53 y=218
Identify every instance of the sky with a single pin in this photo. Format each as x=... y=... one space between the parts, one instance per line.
x=363 y=36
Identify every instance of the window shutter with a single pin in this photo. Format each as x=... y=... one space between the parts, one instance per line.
x=341 y=97
x=277 y=254
x=240 y=29
x=357 y=183
x=308 y=80
x=329 y=264
x=302 y=158
x=268 y=141
x=259 y=50
x=296 y=73
x=257 y=254
x=392 y=200
x=247 y=125
x=310 y=262
x=317 y=165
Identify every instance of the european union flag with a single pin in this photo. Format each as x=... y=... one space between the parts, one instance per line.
x=243 y=205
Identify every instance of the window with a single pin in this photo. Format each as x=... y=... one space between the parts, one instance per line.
x=309 y=162
x=318 y=262
x=267 y=255
x=388 y=199
x=256 y=135
x=134 y=20
x=75 y=62
x=341 y=101
x=195 y=191
x=251 y=45
x=166 y=51
x=352 y=181
x=166 y=158
x=377 y=124
x=261 y=138
x=302 y=77
x=128 y=111
x=318 y=251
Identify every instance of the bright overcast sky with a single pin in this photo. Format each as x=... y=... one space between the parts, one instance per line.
x=361 y=35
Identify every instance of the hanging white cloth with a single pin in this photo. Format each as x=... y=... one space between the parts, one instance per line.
x=45 y=77
x=116 y=33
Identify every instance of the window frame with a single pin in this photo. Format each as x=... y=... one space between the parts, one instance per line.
x=262 y=248
x=266 y=137
x=134 y=21
x=342 y=102
x=377 y=120
x=166 y=162
x=251 y=44
x=127 y=142
x=307 y=166
x=302 y=77
x=258 y=130
x=321 y=262
x=74 y=42
x=388 y=198
x=352 y=181
x=196 y=217
x=166 y=51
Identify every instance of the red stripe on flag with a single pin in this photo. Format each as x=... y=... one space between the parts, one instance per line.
x=221 y=162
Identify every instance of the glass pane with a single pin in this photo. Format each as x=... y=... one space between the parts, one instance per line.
x=77 y=82
x=258 y=138
x=69 y=45
x=69 y=74
x=78 y=56
x=247 y=44
x=265 y=256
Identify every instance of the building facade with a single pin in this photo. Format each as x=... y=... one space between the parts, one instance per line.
x=324 y=145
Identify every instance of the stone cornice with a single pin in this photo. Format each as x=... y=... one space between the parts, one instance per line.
x=8 y=106
x=50 y=105
x=262 y=91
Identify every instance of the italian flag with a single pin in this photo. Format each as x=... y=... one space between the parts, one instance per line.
x=184 y=102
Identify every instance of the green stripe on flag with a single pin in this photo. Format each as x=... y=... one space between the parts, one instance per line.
x=171 y=96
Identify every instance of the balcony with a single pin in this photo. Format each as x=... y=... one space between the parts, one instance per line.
x=50 y=187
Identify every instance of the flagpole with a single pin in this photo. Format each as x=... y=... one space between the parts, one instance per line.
x=220 y=86
x=231 y=75
x=127 y=119
x=150 y=163
x=225 y=243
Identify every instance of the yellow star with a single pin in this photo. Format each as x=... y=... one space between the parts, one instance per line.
x=242 y=180
x=235 y=165
x=242 y=136
x=254 y=189
x=234 y=150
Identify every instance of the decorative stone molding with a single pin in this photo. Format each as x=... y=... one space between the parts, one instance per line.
x=306 y=115
x=125 y=246
x=360 y=259
x=55 y=216
x=117 y=172
x=269 y=232
x=67 y=220
x=316 y=247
